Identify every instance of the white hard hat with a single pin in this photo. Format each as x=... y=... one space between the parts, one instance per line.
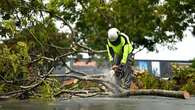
x=113 y=34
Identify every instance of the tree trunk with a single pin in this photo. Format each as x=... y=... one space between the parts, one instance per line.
x=156 y=92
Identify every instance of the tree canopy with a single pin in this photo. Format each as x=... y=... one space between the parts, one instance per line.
x=146 y=22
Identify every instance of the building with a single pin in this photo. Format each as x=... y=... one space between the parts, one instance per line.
x=159 y=68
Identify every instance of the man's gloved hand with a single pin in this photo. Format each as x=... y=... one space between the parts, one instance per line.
x=122 y=66
x=117 y=69
x=114 y=67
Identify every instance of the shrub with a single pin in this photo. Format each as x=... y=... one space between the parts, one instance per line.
x=193 y=63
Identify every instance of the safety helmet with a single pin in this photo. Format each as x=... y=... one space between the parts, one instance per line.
x=113 y=34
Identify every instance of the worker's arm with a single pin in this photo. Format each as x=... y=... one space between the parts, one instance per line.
x=110 y=53
x=126 y=50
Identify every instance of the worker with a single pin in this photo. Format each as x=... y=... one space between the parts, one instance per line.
x=119 y=50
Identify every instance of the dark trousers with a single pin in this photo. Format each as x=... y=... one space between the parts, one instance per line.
x=124 y=78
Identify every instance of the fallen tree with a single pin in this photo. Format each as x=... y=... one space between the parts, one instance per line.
x=22 y=89
x=111 y=89
x=117 y=91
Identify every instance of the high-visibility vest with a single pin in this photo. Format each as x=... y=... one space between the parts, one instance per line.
x=121 y=50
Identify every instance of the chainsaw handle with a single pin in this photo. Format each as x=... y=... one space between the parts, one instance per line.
x=115 y=67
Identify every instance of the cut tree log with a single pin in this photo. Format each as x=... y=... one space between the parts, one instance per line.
x=155 y=92
x=120 y=92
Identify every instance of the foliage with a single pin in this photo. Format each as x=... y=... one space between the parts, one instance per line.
x=167 y=84
x=47 y=89
x=183 y=73
x=82 y=85
x=147 y=81
x=183 y=79
x=146 y=22
x=189 y=86
x=87 y=85
x=193 y=63
x=14 y=62
x=2 y=88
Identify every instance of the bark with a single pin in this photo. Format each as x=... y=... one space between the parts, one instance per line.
x=83 y=93
x=155 y=92
x=9 y=95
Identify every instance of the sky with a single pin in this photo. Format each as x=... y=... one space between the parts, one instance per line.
x=185 y=50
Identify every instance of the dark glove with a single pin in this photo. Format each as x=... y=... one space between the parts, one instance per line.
x=117 y=69
x=120 y=70
x=114 y=67
x=122 y=66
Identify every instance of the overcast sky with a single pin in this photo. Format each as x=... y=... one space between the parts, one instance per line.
x=185 y=51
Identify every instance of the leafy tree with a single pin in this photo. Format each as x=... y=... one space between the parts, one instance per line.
x=147 y=22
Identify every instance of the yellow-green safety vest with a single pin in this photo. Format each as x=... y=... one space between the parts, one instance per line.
x=121 y=50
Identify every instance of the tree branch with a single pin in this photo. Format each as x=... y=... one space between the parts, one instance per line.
x=109 y=85
x=6 y=81
x=40 y=82
x=138 y=51
x=90 y=49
